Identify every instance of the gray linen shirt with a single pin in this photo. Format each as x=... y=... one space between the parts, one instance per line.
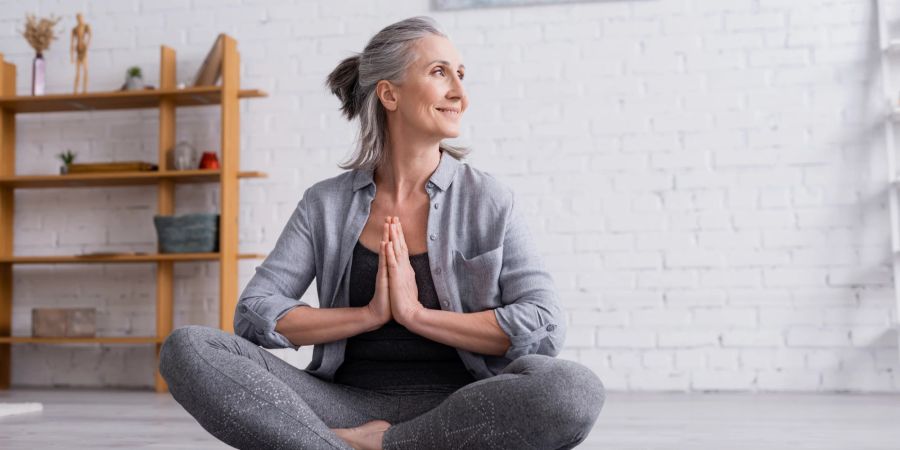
x=479 y=248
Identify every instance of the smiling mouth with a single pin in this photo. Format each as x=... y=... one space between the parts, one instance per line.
x=449 y=112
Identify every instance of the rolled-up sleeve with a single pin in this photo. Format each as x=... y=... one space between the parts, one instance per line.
x=531 y=314
x=279 y=282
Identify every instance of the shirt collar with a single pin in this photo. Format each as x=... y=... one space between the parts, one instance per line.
x=442 y=176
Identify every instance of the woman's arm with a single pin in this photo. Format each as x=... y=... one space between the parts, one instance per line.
x=306 y=325
x=477 y=332
x=531 y=319
x=279 y=282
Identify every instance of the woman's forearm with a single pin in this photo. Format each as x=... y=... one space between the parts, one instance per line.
x=306 y=325
x=477 y=332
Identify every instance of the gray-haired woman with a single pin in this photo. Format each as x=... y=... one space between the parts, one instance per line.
x=438 y=326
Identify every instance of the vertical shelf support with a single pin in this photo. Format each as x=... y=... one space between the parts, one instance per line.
x=230 y=159
x=7 y=208
x=166 y=206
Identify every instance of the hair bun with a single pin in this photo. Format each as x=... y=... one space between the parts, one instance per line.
x=343 y=82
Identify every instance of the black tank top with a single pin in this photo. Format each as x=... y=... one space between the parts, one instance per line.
x=393 y=358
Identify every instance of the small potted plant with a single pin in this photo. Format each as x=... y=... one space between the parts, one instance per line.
x=134 y=79
x=67 y=159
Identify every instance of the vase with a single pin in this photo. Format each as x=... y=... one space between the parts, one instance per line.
x=209 y=161
x=37 y=75
x=63 y=169
x=183 y=156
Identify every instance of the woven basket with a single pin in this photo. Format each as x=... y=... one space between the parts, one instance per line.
x=188 y=233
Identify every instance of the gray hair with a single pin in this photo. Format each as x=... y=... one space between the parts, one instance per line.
x=386 y=57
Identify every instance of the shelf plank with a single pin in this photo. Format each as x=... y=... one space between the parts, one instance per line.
x=149 y=257
x=81 y=340
x=95 y=101
x=134 y=178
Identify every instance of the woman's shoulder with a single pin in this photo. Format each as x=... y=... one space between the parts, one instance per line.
x=481 y=184
x=332 y=188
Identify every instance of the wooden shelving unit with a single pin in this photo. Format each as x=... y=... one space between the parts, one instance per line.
x=166 y=98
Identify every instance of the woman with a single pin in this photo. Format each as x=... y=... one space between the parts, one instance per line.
x=438 y=326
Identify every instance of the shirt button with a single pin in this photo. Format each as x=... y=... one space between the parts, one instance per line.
x=445 y=303
x=437 y=271
x=432 y=237
x=551 y=327
x=435 y=206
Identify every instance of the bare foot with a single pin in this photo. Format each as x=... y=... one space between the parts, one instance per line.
x=367 y=436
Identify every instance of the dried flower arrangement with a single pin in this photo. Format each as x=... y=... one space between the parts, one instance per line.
x=39 y=33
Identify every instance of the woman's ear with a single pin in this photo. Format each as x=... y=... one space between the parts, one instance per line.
x=387 y=94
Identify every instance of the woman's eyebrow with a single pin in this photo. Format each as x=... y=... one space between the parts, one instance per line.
x=446 y=63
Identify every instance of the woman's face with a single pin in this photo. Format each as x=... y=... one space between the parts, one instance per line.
x=432 y=98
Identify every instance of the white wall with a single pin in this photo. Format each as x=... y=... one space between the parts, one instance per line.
x=704 y=178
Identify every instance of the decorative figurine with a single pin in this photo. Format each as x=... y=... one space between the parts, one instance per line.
x=80 y=39
x=39 y=33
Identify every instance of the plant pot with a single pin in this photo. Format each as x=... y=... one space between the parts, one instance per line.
x=134 y=83
x=63 y=169
x=37 y=75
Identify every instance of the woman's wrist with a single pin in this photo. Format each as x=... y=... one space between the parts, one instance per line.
x=372 y=319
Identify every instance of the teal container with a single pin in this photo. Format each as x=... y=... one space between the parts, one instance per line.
x=188 y=233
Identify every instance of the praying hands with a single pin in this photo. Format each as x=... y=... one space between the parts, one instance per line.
x=397 y=297
x=396 y=293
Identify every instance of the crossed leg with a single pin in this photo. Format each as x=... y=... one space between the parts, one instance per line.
x=249 y=398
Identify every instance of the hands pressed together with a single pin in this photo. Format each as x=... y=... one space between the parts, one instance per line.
x=396 y=294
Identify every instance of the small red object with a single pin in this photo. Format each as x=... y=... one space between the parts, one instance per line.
x=209 y=161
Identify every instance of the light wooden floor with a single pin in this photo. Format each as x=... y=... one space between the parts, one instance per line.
x=137 y=419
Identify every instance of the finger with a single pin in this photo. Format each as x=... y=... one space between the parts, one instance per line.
x=382 y=266
x=391 y=256
x=395 y=240
x=386 y=234
x=402 y=237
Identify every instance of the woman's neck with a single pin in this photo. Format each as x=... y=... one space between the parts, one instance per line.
x=405 y=171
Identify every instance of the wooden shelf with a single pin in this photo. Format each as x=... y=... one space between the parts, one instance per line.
x=226 y=98
x=149 y=257
x=81 y=340
x=135 y=178
x=96 y=101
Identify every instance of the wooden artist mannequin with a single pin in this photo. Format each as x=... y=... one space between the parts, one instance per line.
x=80 y=39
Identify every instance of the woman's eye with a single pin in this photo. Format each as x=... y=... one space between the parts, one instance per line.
x=461 y=76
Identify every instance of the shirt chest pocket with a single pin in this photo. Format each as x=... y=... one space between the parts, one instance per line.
x=479 y=279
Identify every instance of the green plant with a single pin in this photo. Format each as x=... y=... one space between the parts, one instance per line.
x=134 y=71
x=67 y=157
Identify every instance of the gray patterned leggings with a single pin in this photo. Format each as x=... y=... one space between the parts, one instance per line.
x=249 y=398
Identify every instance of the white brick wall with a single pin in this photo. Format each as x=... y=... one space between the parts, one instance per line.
x=703 y=177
